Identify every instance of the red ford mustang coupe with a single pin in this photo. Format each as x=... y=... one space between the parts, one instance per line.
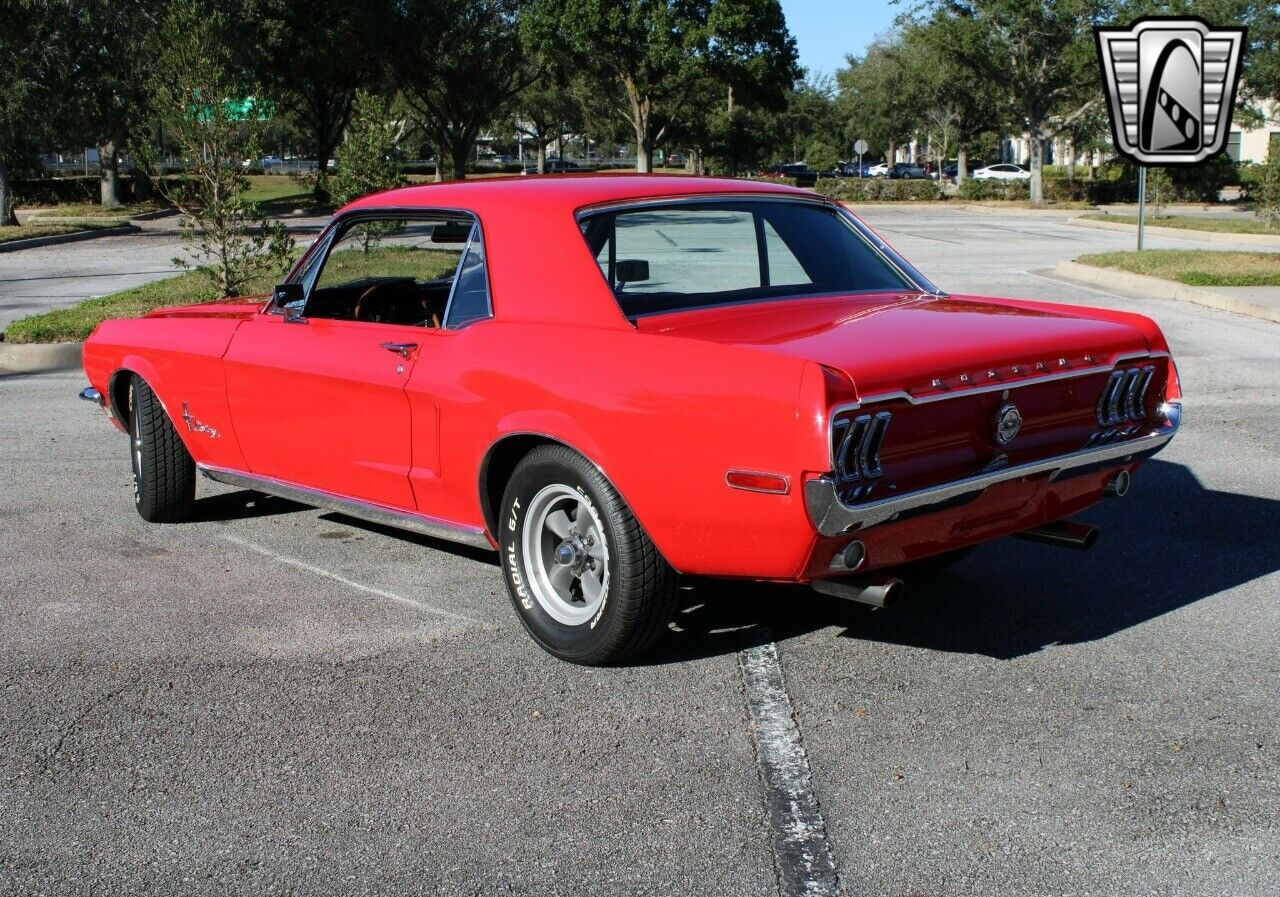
x=614 y=380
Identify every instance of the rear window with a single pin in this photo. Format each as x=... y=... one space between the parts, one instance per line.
x=667 y=258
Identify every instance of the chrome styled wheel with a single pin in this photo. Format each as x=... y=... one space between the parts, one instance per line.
x=566 y=554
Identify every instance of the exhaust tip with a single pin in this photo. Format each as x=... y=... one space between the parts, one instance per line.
x=1088 y=538
x=892 y=593
x=1119 y=485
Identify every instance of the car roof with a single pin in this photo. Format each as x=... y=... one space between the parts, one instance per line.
x=561 y=192
x=540 y=268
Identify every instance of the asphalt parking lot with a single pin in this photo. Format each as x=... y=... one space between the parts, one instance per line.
x=274 y=699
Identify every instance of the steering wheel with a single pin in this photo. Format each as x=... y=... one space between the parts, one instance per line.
x=394 y=302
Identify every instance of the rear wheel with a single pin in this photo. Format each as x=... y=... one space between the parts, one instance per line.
x=585 y=579
x=164 y=474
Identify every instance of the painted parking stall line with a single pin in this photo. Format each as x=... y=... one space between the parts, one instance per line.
x=350 y=583
x=802 y=855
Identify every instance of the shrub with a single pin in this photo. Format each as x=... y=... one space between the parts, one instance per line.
x=878 y=189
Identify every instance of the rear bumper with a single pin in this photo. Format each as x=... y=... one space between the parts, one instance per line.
x=832 y=516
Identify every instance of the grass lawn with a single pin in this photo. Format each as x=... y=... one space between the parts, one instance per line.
x=1241 y=225
x=93 y=210
x=27 y=231
x=78 y=321
x=1196 y=267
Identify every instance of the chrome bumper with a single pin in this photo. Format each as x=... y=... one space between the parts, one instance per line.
x=833 y=517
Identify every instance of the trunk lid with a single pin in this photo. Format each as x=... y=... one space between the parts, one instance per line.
x=944 y=369
x=889 y=342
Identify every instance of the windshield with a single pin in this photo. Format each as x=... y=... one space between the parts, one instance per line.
x=692 y=255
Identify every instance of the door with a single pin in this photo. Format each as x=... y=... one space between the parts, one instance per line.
x=322 y=404
x=317 y=393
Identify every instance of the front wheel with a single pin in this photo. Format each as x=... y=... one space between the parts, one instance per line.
x=164 y=474
x=585 y=579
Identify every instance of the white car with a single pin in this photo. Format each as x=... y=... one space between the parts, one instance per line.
x=878 y=171
x=1002 y=172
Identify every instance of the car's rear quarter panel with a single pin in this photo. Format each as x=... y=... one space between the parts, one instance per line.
x=663 y=418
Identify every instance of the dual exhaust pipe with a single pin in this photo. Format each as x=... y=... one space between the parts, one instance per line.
x=881 y=591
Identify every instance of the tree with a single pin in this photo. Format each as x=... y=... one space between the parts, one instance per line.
x=657 y=52
x=821 y=156
x=35 y=53
x=366 y=159
x=313 y=58
x=547 y=108
x=460 y=65
x=112 y=80
x=954 y=104
x=876 y=99
x=1041 y=54
x=199 y=95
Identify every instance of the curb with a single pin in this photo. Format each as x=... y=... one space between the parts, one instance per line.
x=73 y=237
x=41 y=357
x=1182 y=233
x=1159 y=288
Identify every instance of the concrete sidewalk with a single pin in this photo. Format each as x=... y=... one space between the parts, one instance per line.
x=1256 y=302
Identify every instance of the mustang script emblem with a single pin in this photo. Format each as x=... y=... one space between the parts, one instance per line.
x=1170 y=84
x=1008 y=423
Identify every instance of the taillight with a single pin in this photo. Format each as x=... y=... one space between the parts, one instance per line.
x=855 y=445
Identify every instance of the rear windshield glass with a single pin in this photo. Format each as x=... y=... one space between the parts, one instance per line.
x=667 y=258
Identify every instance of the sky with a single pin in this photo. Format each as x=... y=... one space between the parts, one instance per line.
x=826 y=30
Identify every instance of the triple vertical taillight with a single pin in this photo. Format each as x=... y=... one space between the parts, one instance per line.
x=855 y=445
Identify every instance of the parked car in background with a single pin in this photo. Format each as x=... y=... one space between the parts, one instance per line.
x=852 y=170
x=908 y=171
x=558 y=166
x=824 y=418
x=878 y=170
x=804 y=175
x=952 y=168
x=1002 y=171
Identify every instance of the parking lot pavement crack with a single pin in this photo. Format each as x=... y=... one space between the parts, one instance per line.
x=803 y=859
x=51 y=755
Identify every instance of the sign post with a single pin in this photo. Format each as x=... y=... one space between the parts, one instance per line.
x=860 y=147
x=1142 y=203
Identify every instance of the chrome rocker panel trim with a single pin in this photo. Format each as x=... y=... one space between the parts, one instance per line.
x=353 y=507
x=832 y=517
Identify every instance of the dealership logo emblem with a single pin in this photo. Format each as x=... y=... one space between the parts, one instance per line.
x=1170 y=85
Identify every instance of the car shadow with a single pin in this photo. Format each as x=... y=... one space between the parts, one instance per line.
x=1168 y=544
x=241 y=505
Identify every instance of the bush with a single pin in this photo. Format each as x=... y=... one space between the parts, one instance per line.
x=975 y=190
x=878 y=190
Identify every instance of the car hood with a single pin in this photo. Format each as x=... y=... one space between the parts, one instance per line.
x=239 y=307
x=888 y=342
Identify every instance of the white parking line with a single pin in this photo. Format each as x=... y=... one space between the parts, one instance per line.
x=802 y=856
x=320 y=571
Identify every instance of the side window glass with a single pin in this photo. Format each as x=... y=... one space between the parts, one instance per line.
x=470 y=300
x=391 y=271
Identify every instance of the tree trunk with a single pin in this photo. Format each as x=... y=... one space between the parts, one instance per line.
x=642 y=122
x=461 y=150
x=109 y=180
x=542 y=156
x=1071 y=161
x=962 y=166
x=890 y=153
x=6 y=197
x=1037 y=167
x=320 y=192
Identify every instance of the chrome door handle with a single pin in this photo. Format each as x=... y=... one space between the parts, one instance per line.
x=401 y=349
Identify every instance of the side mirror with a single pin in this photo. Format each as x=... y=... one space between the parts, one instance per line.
x=630 y=270
x=288 y=294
